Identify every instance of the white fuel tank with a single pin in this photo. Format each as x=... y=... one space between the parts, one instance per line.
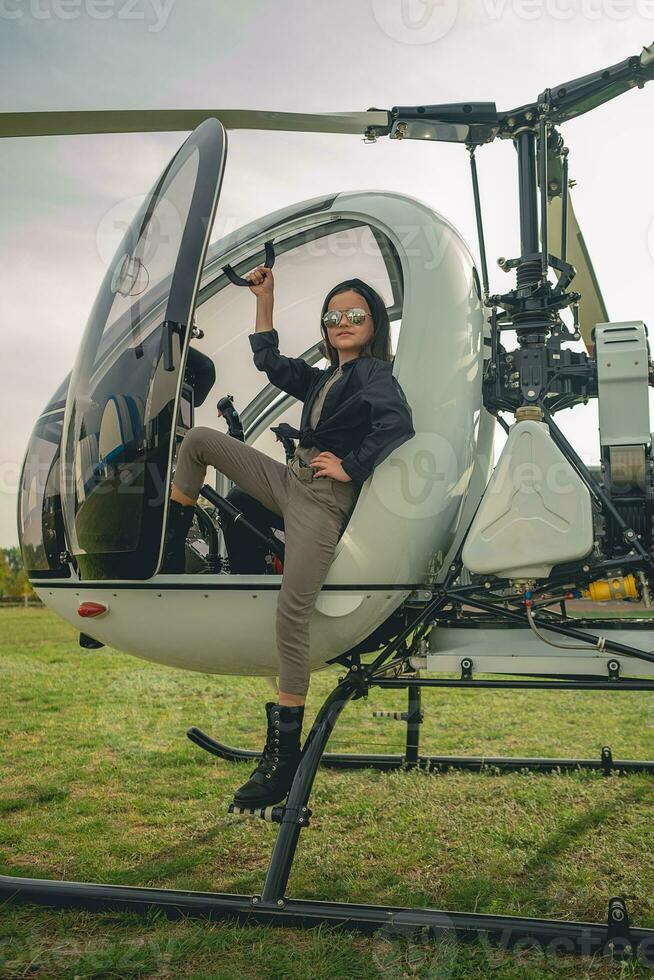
x=535 y=512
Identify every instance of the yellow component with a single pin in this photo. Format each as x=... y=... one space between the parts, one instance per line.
x=618 y=587
x=529 y=412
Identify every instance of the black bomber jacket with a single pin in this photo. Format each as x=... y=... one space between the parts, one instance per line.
x=365 y=415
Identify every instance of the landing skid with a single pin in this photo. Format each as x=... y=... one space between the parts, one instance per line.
x=412 y=759
x=615 y=937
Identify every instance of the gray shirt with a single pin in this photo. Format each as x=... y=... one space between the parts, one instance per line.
x=306 y=453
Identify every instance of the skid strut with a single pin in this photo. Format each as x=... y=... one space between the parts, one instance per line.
x=616 y=937
x=414 y=716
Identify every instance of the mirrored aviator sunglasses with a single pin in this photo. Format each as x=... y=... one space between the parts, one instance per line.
x=355 y=317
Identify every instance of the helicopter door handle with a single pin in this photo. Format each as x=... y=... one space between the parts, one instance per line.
x=170 y=327
x=238 y=280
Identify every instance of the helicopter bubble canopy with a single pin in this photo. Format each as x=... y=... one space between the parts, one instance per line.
x=124 y=391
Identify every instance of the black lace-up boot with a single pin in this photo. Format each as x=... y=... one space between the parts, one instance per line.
x=271 y=780
x=179 y=522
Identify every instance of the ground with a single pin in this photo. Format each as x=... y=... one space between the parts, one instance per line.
x=98 y=782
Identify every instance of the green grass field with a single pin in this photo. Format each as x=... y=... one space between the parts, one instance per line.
x=100 y=783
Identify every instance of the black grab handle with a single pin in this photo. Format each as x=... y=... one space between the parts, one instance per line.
x=228 y=510
x=238 y=280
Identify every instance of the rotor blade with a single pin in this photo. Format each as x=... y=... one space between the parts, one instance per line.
x=76 y=123
x=591 y=306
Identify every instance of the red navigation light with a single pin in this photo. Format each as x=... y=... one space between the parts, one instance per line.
x=89 y=610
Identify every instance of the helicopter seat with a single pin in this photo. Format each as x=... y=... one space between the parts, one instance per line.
x=247 y=555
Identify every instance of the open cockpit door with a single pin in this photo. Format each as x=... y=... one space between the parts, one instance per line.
x=124 y=392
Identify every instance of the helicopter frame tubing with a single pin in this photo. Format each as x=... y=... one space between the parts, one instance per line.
x=616 y=937
x=531 y=309
x=376 y=674
x=413 y=717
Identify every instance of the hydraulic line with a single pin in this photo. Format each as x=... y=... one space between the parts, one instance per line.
x=601 y=640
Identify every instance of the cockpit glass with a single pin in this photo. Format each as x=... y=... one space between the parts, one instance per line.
x=307 y=265
x=305 y=270
x=40 y=522
x=123 y=390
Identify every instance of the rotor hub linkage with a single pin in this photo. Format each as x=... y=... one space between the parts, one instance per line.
x=539 y=366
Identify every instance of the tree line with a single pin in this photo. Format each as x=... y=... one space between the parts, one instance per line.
x=13 y=580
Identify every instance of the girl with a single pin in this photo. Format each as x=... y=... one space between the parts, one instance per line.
x=354 y=414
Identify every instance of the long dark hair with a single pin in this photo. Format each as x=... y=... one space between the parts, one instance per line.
x=380 y=345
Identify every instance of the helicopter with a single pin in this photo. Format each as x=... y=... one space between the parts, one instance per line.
x=448 y=563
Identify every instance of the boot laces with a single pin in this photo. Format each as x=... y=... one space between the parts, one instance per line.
x=270 y=755
x=269 y=761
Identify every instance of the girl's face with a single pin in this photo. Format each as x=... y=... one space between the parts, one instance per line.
x=347 y=337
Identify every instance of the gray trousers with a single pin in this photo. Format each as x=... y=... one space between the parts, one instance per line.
x=315 y=511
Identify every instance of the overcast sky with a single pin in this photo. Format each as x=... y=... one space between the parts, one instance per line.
x=62 y=199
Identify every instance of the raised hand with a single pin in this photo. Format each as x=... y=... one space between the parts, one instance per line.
x=263 y=282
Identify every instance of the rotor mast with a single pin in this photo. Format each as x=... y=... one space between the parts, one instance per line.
x=539 y=368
